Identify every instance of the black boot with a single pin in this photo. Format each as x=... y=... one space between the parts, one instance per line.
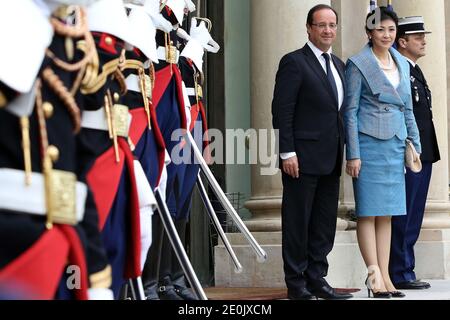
x=166 y=291
x=150 y=272
x=178 y=278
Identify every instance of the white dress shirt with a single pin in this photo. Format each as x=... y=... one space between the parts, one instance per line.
x=339 y=85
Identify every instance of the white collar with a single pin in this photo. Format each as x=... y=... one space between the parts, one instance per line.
x=412 y=62
x=317 y=52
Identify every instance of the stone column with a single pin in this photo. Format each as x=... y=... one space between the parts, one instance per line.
x=277 y=27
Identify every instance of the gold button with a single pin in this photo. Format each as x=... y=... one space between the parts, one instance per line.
x=116 y=97
x=48 y=109
x=108 y=41
x=53 y=153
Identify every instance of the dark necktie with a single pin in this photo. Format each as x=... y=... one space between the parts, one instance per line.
x=330 y=77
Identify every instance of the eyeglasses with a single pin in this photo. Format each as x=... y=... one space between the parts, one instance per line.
x=322 y=26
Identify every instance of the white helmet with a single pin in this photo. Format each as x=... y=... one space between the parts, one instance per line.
x=21 y=55
x=143 y=33
x=109 y=16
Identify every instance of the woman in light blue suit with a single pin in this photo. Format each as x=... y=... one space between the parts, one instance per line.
x=378 y=117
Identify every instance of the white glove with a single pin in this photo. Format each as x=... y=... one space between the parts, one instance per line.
x=194 y=51
x=190 y=6
x=152 y=9
x=201 y=34
x=183 y=34
x=100 y=294
x=178 y=9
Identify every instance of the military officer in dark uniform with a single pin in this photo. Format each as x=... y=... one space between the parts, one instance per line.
x=411 y=43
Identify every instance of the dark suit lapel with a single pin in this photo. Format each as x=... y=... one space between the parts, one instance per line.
x=416 y=74
x=317 y=67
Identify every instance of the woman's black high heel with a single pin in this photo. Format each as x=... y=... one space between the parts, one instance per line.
x=377 y=295
x=397 y=294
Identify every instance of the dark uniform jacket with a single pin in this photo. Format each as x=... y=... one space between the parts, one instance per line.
x=423 y=113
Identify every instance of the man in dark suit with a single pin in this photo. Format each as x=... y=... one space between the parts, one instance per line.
x=411 y=43
x=309 y=92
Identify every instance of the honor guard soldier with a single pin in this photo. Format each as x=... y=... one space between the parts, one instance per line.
x=168 y=99
x=411 y=43
x=43 y=205
x=191 y=66
x=108 y=163
x=140 y=79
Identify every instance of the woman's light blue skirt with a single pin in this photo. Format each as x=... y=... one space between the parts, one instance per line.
x=380 y=188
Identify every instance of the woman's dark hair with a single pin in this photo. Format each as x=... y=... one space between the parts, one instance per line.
x=310 y=19
x=379 y=15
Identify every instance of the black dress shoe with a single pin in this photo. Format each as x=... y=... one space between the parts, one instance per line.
x=151 y=293
x=300 y=294
x=328 y=293
x=185 y=293
x=413 y=285
x=168 y=293
x=181 y=288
